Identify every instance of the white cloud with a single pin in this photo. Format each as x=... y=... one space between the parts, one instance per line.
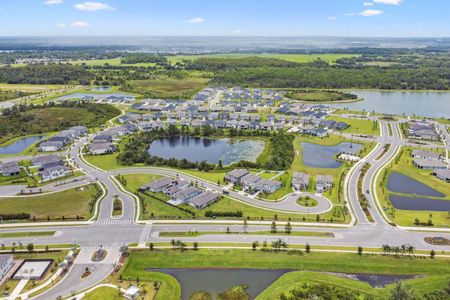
x=51 y=2
x=197 y=20
x=390 y=2
x=61 y=25
x=79 y=24
x=371 y=12
x=332 y=18
x=367 y=3
x=237 y=31
x=92 y=6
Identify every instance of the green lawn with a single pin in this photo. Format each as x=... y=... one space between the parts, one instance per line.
x=26 y=234
x=279 y=233
x=293 y=280
x=69 y=203
x=104 y=293
x=358 y=126
x=437 y=270
x=403 y=165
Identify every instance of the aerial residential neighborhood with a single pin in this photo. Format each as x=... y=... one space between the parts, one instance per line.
x=224 y=150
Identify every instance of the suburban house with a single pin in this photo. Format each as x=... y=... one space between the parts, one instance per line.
x=423 y=131
x=157 y=185
x=250 y=181
x=236 y=175
x=300 y=181
x=6 y=263
x=99 y=147
x=442 y=174
x=324 y=183
x=204 y=199
x=425 y=154
x=429 y=164
x=184 y=195
x=51 y=146
x=10 y=168
x=54 y=172
x=268 y=186
x=42 y=162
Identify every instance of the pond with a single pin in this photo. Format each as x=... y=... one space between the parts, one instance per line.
x=399 y=183
x=376 y=281
x=417 y=203
x=320 y=156
x=216 y=281
x=101 y=89
x=212 y=150
x=427 y=104
x=20 y=145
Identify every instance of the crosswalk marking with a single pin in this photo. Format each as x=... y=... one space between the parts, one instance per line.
x=145 y=233
x=114 y=221
x=376 y=227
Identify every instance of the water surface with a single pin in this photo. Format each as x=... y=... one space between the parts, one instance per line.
x=320 y=156
x=212 y=150
x=216 y=281
x=419 y=203
x=399 y=183
x=427 y=104
x=20 y=145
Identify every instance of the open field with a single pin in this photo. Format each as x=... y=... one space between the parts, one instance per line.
x=167 y=87
x=407 y=217
x=358 y=126
x=67 y=204
x=111 y=62
x=30 y=88
x=298 y=58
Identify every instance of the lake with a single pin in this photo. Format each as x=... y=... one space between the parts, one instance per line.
x=320 y=156
x=101 y=89
x=20 y=145
x=212 y=150
x=428 y=104
x=216 y=281
x=94 y=95
x=417 y=203
x=399 y=183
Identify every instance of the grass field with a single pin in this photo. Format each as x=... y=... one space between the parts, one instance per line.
x=26 y=234
x=437 y=270
x=30 y=88
x=69 y=203
x=111 y=62
x=167 y=87
x=298 y=58
x=358 y=126
x=279 y=233
x=407 y=217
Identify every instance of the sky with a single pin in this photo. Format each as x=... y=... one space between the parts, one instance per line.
x=361 y=18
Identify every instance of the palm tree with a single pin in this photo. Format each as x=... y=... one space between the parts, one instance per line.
x=411 y=249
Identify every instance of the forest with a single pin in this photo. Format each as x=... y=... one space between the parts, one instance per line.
x=46 y=74
x=36 y=119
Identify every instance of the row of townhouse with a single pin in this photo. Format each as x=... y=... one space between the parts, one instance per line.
x=50 y=167
x=102 y=143
x=181 y=192
x=252 y=182
x=62 y=139
x=423 y=130
x=428 y=160
x=301 y=181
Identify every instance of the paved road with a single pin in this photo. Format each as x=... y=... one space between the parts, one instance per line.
x=112 y=233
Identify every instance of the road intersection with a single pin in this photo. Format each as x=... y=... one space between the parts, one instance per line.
x=111 y=232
